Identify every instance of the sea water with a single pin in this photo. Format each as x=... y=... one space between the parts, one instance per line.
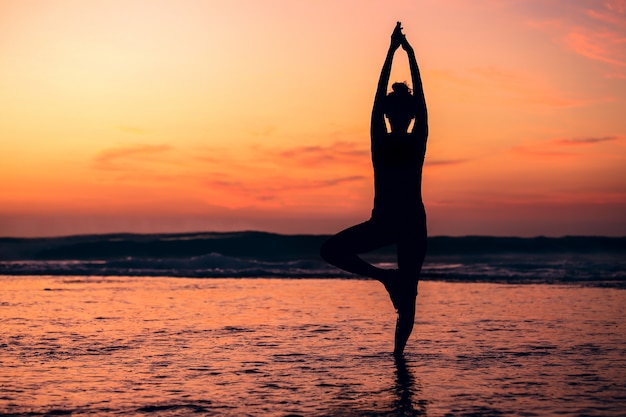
x=587 y=260
x=157 y=346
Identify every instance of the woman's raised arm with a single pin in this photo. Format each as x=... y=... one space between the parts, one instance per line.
x=421 y=115
x=378 y=118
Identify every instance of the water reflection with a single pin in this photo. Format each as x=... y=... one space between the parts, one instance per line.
x=407 y=391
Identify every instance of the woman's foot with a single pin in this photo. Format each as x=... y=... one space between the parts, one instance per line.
x=403 y=294
x=405 y=307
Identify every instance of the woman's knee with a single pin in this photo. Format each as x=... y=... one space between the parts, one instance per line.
x=357 y=239
x=328 y=251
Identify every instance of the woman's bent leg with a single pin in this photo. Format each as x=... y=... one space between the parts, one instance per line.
x=342 y=250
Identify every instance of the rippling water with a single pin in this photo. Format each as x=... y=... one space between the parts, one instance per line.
x=173 y=346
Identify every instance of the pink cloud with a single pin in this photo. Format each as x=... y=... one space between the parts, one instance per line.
x=109 y=159
x=614 y=12
x=445 y=162
x=339 y=151
x=561 y=147
x=586 y=141
x=537 y=150
x=599 y=46
x=595 y=30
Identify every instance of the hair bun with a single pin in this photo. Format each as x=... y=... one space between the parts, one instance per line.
x=401 y=88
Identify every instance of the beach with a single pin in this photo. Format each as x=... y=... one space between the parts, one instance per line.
x=206 y=207
x=79 y=345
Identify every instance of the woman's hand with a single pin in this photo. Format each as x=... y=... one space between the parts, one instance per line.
x=397 y=37
x=405 y=45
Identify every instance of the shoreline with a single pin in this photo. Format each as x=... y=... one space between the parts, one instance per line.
x=610 y=284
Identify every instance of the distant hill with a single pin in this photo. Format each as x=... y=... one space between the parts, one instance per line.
x=275 y=247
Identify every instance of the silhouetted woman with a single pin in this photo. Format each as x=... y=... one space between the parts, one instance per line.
x=398 y=216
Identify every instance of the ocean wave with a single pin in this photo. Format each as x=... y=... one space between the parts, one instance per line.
x=590 y=271
x=599 y=261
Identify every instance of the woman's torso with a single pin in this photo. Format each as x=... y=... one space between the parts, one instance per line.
x=398 y=161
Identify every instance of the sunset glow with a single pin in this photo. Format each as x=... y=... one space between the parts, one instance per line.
x=162 y=116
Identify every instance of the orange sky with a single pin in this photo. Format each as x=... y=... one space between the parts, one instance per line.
x=173 y=116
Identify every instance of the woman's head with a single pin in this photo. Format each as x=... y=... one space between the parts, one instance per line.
x=399 y=107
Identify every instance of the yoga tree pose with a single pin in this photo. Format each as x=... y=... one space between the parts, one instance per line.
x=398 y=216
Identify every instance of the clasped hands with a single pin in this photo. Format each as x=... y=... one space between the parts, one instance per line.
x=399 y=39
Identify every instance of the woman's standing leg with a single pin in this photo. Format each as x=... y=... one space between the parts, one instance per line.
x=411 y=253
